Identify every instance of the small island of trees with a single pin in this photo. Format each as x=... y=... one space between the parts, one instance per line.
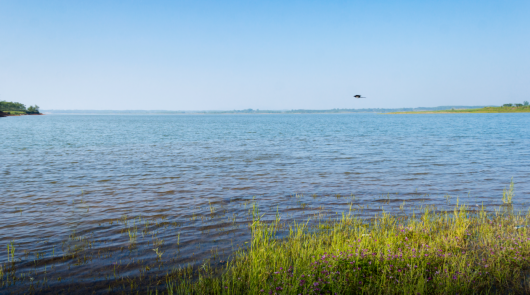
x=8 y=108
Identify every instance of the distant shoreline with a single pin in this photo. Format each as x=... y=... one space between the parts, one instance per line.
x=18 y=115
x=485 y=110
x=402 y=111
x=252 y=111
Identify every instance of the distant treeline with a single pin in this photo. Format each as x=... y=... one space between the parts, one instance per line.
x=505 y=108
x=257 y=111
x=17 y=108
x=525 y=104
x=335 y=111
x=369 y=110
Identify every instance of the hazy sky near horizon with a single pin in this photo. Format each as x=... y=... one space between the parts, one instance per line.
x=223 y=55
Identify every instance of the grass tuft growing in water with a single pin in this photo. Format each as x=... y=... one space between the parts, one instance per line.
x=507 y=195
x=459 y=252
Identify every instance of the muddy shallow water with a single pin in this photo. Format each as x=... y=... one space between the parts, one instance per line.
x=113 y=191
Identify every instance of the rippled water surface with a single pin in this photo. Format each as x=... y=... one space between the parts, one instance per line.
x=84 y=185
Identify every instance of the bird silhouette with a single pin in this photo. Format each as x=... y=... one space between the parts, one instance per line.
x=358 y=96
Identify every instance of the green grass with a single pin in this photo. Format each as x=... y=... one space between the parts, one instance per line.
x=508 y=194
x=15 y=112
x=523 y=109
x=461 y=252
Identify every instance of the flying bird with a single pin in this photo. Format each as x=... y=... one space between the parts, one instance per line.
x=358 y=96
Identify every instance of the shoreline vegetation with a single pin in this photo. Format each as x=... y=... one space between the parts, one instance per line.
x=8 y=108
x=18 y=109
x=462 y=252
x=507 y=108
x=465 y=251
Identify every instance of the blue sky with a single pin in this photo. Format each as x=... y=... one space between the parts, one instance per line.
x=223 y=55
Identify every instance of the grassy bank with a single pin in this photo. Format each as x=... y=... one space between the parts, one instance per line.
x=15 y=113
x=19 y=113
x=461 y=252
x=16 y=109
x=521 y=109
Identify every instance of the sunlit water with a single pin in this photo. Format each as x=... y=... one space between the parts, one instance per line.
x=185 y=184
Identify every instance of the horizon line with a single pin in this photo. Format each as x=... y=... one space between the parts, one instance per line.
x=258 y=110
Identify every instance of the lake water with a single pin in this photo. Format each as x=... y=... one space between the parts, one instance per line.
x=187 y=182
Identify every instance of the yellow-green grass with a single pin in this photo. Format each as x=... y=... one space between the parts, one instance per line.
x=460 y=252
x=14 y=113
x=523 y=109
x=463 y=251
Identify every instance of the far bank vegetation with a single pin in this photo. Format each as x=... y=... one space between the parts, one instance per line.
x=505 y=108
x=16 y=108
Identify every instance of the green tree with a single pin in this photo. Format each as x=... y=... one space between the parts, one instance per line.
x=33 y=109
x=525 y=103
x=12 y=106
x=507 y=105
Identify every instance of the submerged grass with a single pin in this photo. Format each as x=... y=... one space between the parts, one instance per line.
x=434 y=253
